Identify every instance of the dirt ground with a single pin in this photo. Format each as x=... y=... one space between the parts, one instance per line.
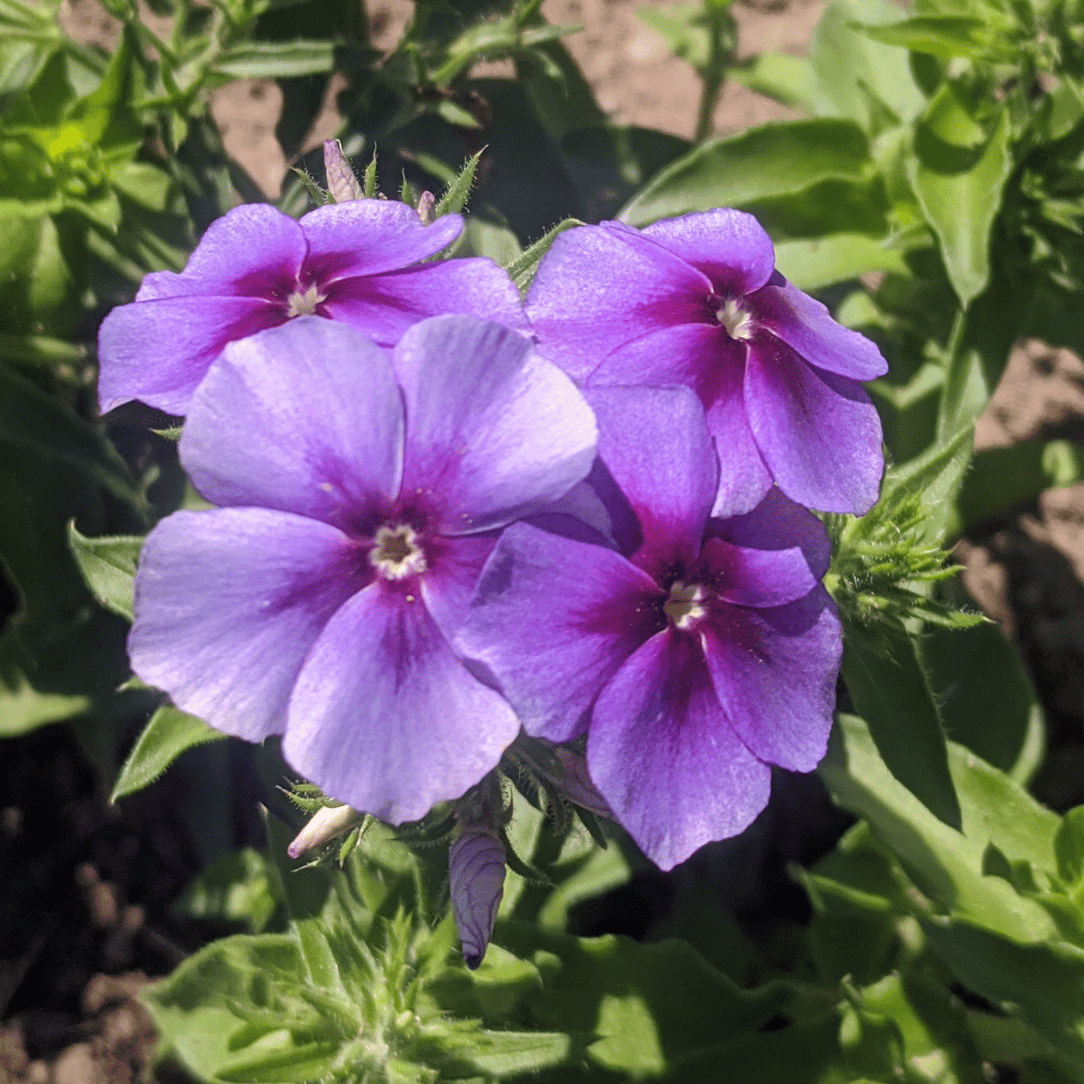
x=90 y=920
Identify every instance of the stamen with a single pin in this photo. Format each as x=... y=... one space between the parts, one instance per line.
x=303 y=304
x=685 y=606
x=396 y=553
x=738 y=323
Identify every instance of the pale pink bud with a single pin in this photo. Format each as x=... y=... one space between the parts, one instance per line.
x=476 y=874
x=325 y=825
x=342 y=185
x=426 y=205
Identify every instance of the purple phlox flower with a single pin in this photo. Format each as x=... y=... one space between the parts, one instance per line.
x=696 y=301
x=694 y=660
x=476 y=879
x=255 y=268
x=359 y=495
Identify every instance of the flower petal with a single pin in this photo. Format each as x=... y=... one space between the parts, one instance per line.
x=476 y=883
x=253 y=250
x=384 y=306
x=730 y=247
x=807 y=327
x=755 y=577
x=778 y=523
x=227 y=605
x=494 y=432
x=552 y=620
x=370 y=236
x=600 y=287
x=818 y=432
x=702 y=357
x=385 y=718
x=159 y=351
x=775 y=672
x=656 y=446
x=662 y=754
x=454 y=567
x=305 y=418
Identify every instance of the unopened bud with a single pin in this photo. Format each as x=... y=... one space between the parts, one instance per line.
x=426 y=205
x=342 y=185
x=325 y=825
x=476 y=875
x=575 y=784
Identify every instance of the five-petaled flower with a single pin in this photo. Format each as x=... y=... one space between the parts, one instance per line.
x=358 y=495
x=703 y=652
x=697 y=301
x=255 y=268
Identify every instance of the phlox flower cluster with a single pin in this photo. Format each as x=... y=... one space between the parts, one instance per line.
x=440 y=517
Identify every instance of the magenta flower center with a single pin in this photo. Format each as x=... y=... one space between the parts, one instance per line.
x=304 y=304
x=396 y=553
x=738 y=323
x=687 y=605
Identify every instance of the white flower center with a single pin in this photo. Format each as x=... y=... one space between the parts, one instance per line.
x=738 y=323
x=396 y=553
x=303 y=304
x=685 y=606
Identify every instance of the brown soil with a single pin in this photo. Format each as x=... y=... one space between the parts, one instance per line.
x=84 y=922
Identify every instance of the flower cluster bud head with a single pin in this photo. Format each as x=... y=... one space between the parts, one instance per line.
x=476 y=877
x=426 y=207
x=327 y=824
x=342 y=185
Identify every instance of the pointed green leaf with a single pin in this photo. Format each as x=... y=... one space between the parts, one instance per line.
x=108 y=566
x=276 y=60
x=1069 y=847
x=770 y=160
x=168 y=734
x=945 y=36
x=454 y=197
x=890 y=690
x=961 y=204
x=23 y=708
x=787 y=79
x=522 y=268
x=824 y=261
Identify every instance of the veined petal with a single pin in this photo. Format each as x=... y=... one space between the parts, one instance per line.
x=371 y=236
x=454 y=567
x=385 y=718
x=254 y=250
x=818 y=432
x=227 y=605
x=807 y=327
x=552 y=620
x=476 y=883
x=386 y=305
x=306 y=418
x=779 y=523
x=494 y=432
x=663 y=755
x=159 y=351
x=756 y=577
x=730 y=247
x=656 y=446
x=600 y=287
x=775 y=673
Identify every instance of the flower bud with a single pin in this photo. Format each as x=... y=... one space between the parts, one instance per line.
x=342 y=185
x=426 y=205
x=476 y=874
x=575 y=784
x=325 y=825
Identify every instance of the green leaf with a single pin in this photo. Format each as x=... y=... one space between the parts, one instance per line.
x=961 y=204
x=947 y=865
x=108 y=566
x=1069 y=847
x=890 y=690
x=168 y=734
x=771 y=160
x=838 y=257
x=945 y=36
x=23 y=708
x=857 y=77
x=787 y=79
x=275 y=60
x=236 y=887
x=521 y=270
x=454 y=198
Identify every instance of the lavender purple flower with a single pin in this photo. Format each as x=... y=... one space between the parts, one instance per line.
x=696 y=301
x=359 y=495
x=256 y=268
x=696 y=658
x=476 y=881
